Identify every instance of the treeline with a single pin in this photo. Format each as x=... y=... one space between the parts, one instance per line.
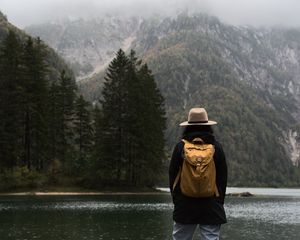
x=51 y=136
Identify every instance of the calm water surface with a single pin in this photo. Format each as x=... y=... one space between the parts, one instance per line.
x=138 y=217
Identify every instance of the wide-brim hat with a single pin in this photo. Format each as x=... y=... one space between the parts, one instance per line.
x=198 y=116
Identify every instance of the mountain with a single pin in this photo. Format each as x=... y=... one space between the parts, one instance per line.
x=87 y=45
x=54 y=61
x=247 y=78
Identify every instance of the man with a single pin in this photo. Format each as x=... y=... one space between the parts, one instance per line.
x=205 y=209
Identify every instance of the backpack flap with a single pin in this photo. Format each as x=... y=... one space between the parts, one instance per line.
x=198 y=154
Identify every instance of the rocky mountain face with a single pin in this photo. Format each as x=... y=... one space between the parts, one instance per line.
x=248 y=79
x=87 y=45
x=266 y=60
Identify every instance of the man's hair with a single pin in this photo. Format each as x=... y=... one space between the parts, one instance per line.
x=197 y=128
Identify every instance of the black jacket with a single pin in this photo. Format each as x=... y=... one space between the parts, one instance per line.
x=189 y=210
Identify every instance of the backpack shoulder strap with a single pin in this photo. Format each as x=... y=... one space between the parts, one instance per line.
x=179 y=171
x=176 y=179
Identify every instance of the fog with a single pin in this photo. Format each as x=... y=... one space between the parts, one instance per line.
x=237 y=12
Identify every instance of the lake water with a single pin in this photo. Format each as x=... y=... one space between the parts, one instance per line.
x=271 y=217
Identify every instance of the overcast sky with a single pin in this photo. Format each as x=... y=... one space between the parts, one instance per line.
x=239 y=12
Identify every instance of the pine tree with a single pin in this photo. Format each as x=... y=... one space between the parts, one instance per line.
x=66 y=99
x=152 y=118
x=11 y=101
x=55 y=122
x=132 y=123
x=114 y=103
x=35 y=109
x=101 y=166
x=147 y=124
x=83 y=132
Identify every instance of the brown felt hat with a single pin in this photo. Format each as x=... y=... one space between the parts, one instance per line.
x=197 y=116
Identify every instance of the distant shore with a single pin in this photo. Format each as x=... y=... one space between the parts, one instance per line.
x=231 y=191
x=82 y=192
x=76 y=193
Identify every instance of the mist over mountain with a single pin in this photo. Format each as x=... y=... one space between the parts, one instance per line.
x=246 y=12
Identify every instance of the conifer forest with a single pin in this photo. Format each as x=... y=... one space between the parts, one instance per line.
x=51 y=136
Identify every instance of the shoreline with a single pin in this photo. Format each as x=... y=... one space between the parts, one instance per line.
x=38 y=193
x=231 y=191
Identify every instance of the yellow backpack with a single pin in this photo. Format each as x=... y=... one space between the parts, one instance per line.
x=198 y=173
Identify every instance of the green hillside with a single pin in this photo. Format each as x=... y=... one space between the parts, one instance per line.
x=249 y=129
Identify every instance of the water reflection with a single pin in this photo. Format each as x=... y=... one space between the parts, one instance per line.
x=138 y=217
x=277 y=210
x=92 y=206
